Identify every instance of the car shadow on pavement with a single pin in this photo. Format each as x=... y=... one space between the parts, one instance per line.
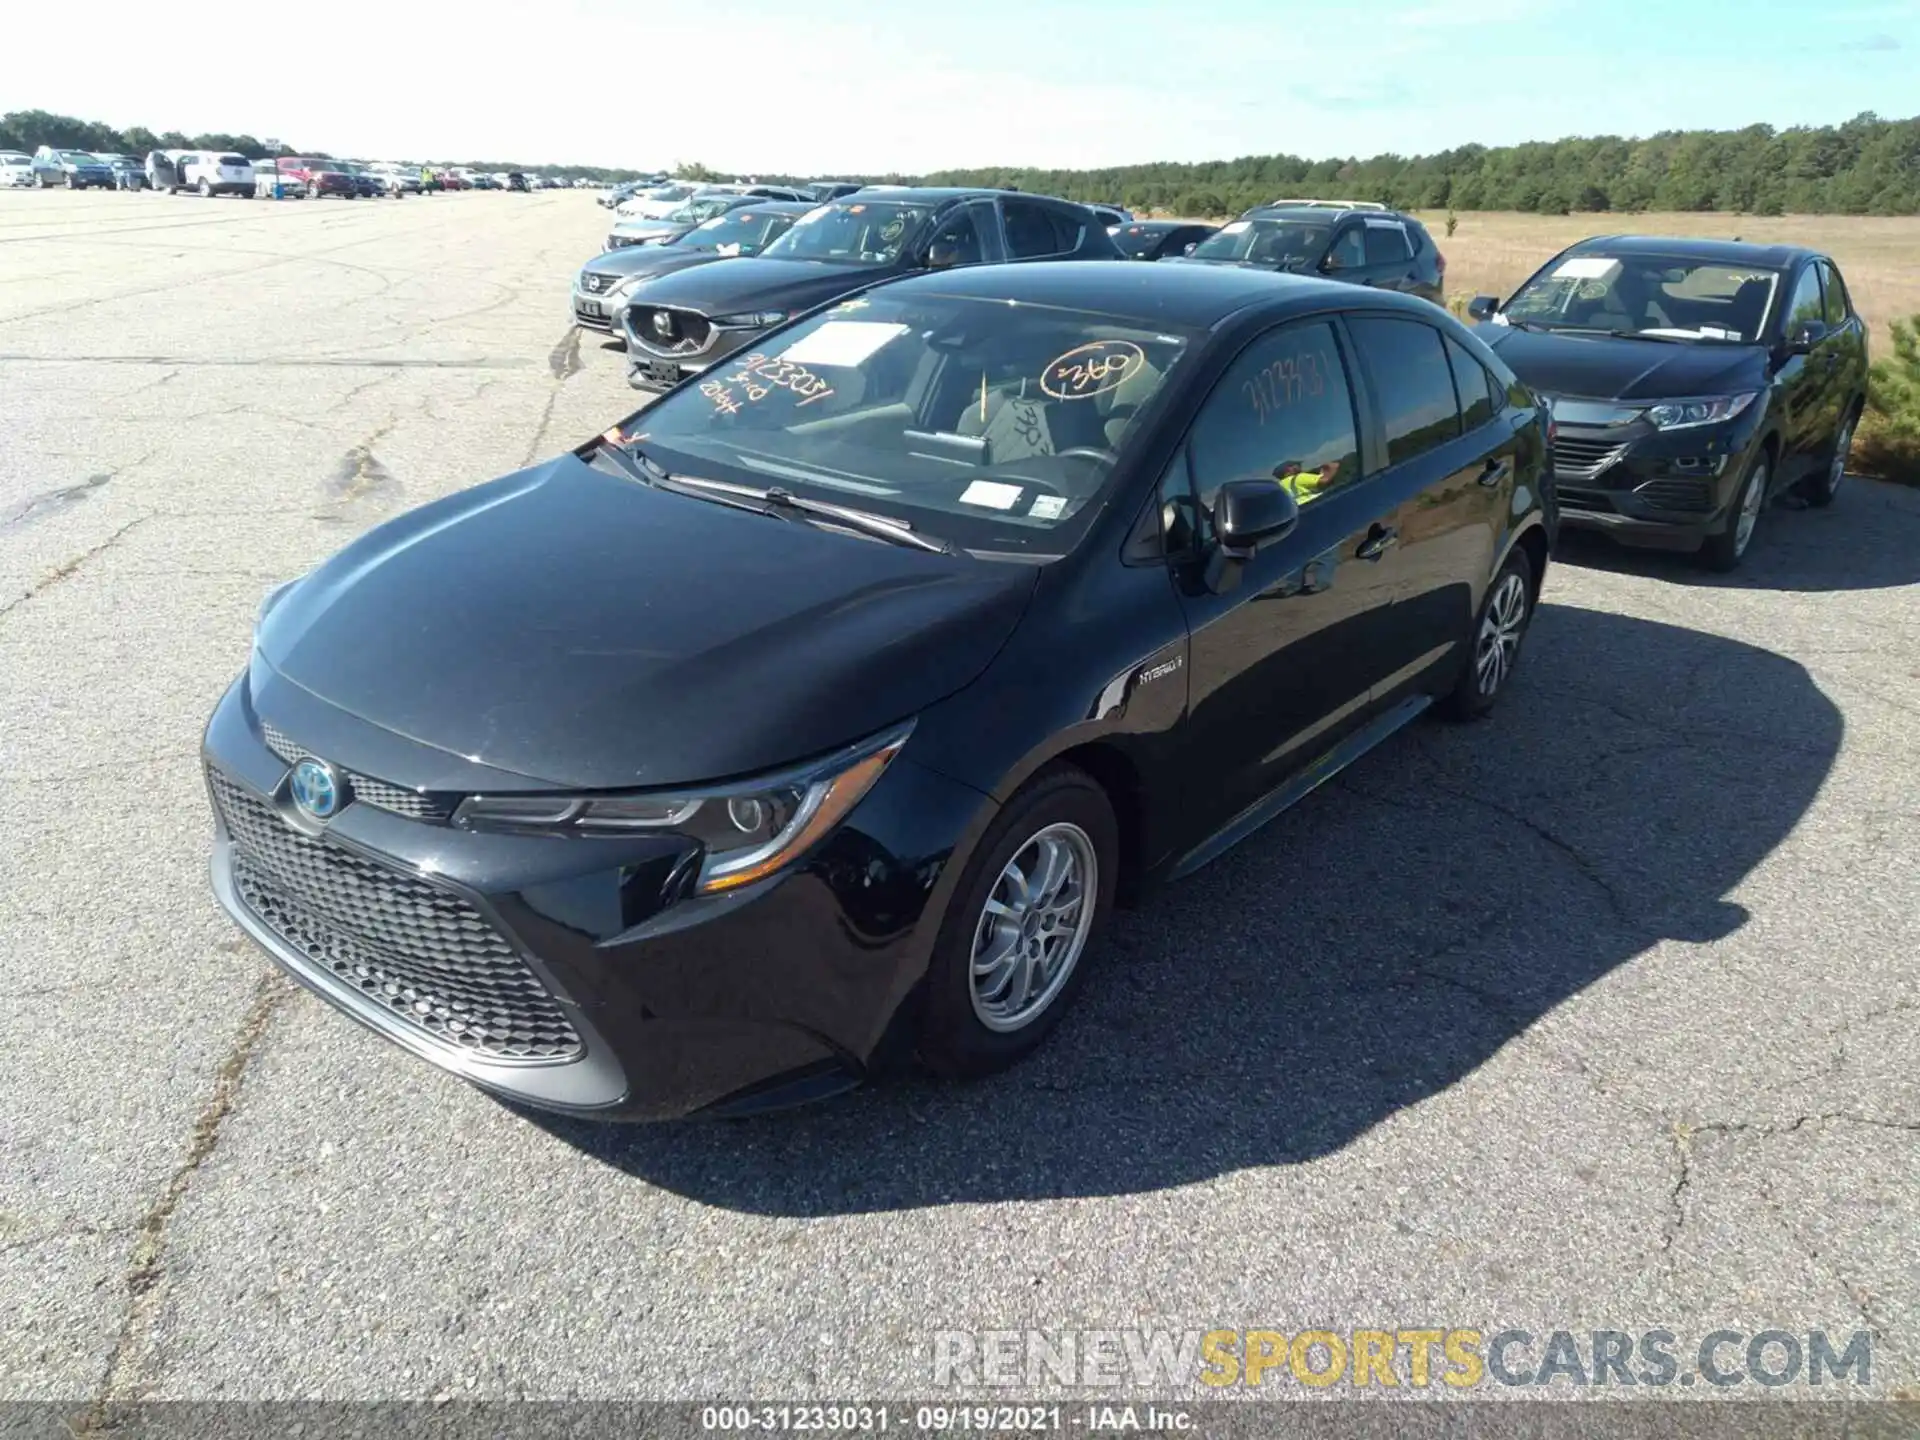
x=1367 y=950
x=1869 y=539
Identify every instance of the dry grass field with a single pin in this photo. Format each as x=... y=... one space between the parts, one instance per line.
x=1491 y=253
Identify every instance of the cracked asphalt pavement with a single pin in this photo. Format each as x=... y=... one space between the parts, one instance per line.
x=1597 y=1015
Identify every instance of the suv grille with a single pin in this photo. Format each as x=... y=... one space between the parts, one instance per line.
x=420 y=952
x=1584 y=459
x=595 y=283
x=381 y=794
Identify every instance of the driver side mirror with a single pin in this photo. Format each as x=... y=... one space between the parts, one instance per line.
x=1248 y=515
x=1483 y=307
x=942 y=255
x=1806 y=337
x=1191 y=246
x=1331 y=263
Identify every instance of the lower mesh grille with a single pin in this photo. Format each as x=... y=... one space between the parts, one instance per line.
x=364 y=788
x=1695 y=496
x=420 y=952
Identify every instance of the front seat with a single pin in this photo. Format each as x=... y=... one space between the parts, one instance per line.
x=1748 y=312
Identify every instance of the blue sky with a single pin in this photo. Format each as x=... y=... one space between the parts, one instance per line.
x=833 y=87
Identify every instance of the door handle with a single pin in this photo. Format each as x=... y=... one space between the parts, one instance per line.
x=1495 y=472
x=1379 y=540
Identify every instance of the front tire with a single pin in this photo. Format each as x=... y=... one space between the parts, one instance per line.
x=1498 y=632
x=1014 y=945
x=1824 y=489
x=1724 y=551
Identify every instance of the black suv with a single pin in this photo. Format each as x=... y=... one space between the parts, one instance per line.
x=1691 y=381
x=1350 y=240
x=680 y=324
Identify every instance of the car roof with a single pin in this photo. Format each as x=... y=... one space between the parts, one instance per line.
x=1326 y=214
x=938 y=194
x=1162 y=225
x=1697 y=247
x=1168 y=293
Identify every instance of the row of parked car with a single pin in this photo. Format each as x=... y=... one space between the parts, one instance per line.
x=209 y=173
x=1691 y=381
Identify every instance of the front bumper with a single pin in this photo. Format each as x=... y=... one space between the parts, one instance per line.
x=1665 y=490
x=595 y=310
x=656 y=369
x=551 y=970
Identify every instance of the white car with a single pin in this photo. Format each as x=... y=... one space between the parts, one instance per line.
x=16 y=170
x=398 y=179
x=210 y=172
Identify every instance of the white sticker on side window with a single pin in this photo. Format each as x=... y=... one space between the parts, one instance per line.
x=842 y=342
x=992 y=494
x=1586 y=267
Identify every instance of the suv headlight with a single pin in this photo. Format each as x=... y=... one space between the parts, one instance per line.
x=1708 y=410
x=758 y=319
x=749 y=831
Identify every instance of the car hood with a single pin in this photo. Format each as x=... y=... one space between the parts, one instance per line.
x=590 y=632
x=757 y=283
x=1229 y=264
x=1605 y=367
x=650 y=260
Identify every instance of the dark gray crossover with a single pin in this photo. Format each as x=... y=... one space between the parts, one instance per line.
x=816 y=715
x=680 y=324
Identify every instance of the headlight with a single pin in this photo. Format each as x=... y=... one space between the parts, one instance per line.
x=749 y=831
x=758 y=319
x=1709 y=410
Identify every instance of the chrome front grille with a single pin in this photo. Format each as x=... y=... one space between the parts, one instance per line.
x=421 y=953
x=381 y=794
x=595 y=283
x=1575 y=459
x=670 y=333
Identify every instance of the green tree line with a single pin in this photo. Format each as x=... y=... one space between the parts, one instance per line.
x=1867 y=166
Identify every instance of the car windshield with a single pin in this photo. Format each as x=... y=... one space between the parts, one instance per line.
x=695 y=211
x=994 y=424
x=1290 y=244
x=670 y=192
x=851 y=232
x=79 y=157
x=15 y=160
x=738 y=232
x=1666 y=297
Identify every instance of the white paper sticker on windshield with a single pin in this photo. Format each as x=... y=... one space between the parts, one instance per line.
x=1586 y=267
x=842 y=342
x=992 y=494
x=1047 y=507
x=1235 y=228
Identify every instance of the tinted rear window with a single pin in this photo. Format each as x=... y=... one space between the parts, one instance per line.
x=1386 y=244
x=1412 y=383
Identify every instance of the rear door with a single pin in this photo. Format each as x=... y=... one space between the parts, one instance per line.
x=1388 y=250
x=1286 y=662
x=1806 y=390
x=1847 y=338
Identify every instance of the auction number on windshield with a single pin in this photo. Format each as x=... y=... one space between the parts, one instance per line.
x=1093 y=369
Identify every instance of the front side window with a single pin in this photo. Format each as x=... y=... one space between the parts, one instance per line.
x=1666 y=297
x=995 y=425
x=1286 y=244
x=1283 y=411
x=1349 y=250
x=854 y=233
x=1412 y=383
x=1806 y=304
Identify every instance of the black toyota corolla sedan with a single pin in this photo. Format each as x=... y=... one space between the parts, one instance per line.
x=818 y=713
x=1691 y=381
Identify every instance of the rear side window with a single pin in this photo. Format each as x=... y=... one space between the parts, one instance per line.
x=233 y=159
x=1476 y=388
x=1412 y=383
x=1284 y=411
x=1386 y=244
x=1035 y=230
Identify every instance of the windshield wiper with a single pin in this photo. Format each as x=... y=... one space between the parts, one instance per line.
x=774 y=501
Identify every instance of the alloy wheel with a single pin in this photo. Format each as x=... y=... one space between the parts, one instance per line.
x=1752 y=500
x=1843 y=443
x=1033 y=927
x=1498 y=645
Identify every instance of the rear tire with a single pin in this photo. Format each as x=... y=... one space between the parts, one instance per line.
x=206 y=190
x=1028 y=912
x=1723 y=552
x=1494 y=653
x=1823 y=489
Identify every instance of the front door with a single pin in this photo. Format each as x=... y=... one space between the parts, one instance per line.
x=1285 y=662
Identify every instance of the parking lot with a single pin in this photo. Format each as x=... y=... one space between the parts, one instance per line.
x=1600 y=1015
